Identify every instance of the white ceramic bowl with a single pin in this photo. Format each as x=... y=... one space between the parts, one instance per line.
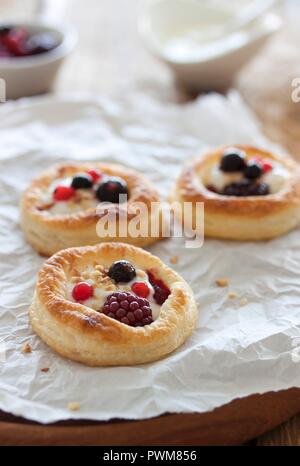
x=26 y=76
x=213 y=65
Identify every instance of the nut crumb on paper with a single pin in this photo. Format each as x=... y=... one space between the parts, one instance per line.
x=74 y=406
x=45 y=369
x=222 y=282
x=174 y=260
x=243 y=301
x=232 y=295
x=26 y=348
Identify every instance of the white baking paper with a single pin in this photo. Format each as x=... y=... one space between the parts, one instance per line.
x=236 y=349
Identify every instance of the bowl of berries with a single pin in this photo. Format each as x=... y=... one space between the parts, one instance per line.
x=31 y=55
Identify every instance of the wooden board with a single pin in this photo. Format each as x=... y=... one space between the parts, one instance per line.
x=233 y=424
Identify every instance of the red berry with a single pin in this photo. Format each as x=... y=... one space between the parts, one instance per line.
x=266 y=166
x=161 y=291
x=140 y=289
x=82 y=291
x=63 y=193
x=95 y=174
x=15 y=41
x=128 y=309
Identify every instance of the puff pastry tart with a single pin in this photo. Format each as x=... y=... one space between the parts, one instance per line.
x=62 y=207
x=248 y=193
x=111 y=304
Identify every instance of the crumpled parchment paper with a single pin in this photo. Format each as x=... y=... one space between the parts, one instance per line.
x=236 y=349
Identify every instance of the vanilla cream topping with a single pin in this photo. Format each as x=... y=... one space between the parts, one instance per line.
x=219 y=179
x=276 y=178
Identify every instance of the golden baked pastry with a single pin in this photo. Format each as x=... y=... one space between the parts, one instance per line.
x=111 y=304
x=62 y=207
x=248 y=193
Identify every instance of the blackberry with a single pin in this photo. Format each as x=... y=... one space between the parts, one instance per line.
x=128 y=309
x=246 y=188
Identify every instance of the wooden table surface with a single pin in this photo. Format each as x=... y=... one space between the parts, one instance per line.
x=110 y=58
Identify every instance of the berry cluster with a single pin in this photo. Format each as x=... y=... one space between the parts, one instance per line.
x=233 y=161
x=18 y=42
x=107 y=189
x=128 y=309
x=246 y=188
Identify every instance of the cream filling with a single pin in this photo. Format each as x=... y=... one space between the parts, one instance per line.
x=97 y=301
x=83 y=199
x=275 y=178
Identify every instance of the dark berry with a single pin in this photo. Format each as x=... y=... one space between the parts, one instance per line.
x=161 y=291
x=122 y=271
x=82 y=181
x=135 y=315
x=246 y=188
x=63 y=193
x=253 y=170
x=110 y=190
x=41 y=42
x=211 y=188
x=262 y=189
x=5 y=30
x=233 y=160
x=82 y=291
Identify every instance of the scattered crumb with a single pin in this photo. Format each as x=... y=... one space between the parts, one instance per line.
x=243 y=301
x=232 y=295
x=45 y=369
x=174 y=260
x=222 y=282
x=74 y=406
x=26 y=348
x=85 y=274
